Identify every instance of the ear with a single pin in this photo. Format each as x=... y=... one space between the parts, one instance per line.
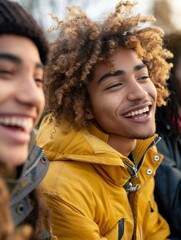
x=88 y=114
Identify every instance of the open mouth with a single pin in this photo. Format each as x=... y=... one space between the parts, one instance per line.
x=138 y=114
x=24 y=125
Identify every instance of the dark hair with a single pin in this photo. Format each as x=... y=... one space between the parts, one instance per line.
x=14 y=19
x=169 y=113
x=83 y=42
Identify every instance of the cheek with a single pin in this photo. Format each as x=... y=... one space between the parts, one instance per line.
x=6 y=89
x=41 y=100
x=106 y=106
x=152 y=91
x=41 y=105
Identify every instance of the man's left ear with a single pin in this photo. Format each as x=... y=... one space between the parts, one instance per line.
x=88 y=114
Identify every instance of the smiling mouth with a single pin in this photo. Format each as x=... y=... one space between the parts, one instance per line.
x=24 y=125
x=141 y=113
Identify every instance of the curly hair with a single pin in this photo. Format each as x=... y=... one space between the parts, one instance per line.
x=83 y=42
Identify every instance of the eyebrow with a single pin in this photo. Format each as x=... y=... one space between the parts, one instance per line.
x=15 y=59
x=10 y=57
x=39 y=65
x=120 y=72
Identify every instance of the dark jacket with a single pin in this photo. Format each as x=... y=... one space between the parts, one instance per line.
x=168 y=179
x=29 y=177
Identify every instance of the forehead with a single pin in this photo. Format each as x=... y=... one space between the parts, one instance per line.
x=124 y=59
x=19 y=46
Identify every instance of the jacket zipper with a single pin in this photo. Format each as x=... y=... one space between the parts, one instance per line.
x=40 y=155
x=139 y=166
x=133 y=169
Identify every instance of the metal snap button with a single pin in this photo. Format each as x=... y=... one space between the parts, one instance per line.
x=43 y=160
x=156 y=158
x=20 y=209
x=149 y=171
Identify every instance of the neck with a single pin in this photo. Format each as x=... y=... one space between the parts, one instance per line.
x=123 y=145
x=7 y=171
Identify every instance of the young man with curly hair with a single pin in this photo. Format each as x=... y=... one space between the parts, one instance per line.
x=103 y=81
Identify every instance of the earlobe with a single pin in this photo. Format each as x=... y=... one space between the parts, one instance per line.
x=88 y=114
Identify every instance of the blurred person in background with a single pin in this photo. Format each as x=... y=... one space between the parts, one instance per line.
x=103 y=81
x=23 y=54
x=168 y=119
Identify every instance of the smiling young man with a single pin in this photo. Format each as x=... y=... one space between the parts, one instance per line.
x=103 y=82
x=23 y=53
x=122 y=103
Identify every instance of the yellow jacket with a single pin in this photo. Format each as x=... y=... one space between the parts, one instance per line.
x=84 y=186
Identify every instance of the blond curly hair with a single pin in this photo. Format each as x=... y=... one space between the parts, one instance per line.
x=83 y=42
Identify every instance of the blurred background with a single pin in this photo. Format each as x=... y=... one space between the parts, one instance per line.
x=168 y=13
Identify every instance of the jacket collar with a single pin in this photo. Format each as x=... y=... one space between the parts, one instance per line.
x=32 y=173
x=141 y=145
x=63 y=142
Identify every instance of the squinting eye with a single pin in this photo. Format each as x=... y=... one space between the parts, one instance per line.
x=39 y=82
x=143 y=77
x=115 y=85
x=2 y=71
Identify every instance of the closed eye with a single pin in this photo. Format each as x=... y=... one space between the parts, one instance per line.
x=6 y=74
x=39 y=82
x=114 y=86
x=2 y=71
x=143 y=77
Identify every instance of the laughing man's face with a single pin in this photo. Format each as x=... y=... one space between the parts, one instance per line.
x=123 y=103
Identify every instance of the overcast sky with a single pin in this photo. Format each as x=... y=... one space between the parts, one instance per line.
x=94 y=8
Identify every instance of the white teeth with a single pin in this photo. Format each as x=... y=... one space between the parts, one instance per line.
x=139 y=112
x=26 y=124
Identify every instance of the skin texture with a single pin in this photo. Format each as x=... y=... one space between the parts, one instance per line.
x=21 y=96
x=114 y=97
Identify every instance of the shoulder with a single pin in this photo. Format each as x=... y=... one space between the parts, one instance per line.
x=30 y=176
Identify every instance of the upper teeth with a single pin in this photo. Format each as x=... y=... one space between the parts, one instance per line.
x=13 y=121
x=133 y=113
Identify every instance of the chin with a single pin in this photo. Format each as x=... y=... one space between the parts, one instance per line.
x=19 y=160
x=146 y=132
x=146 y=135
x=15 y=158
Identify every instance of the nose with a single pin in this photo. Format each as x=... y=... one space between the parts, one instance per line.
x=29 y=93
x=136 y=91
